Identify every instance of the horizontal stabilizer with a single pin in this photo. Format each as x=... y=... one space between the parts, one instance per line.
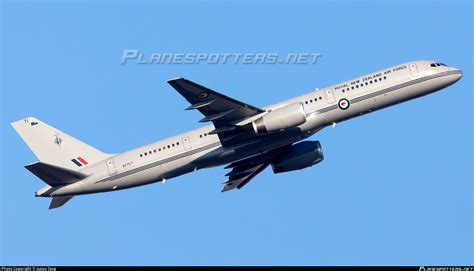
x=54 y=175
x=59 y=201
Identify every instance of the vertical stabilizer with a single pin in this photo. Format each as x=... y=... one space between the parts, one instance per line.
x=55 y=147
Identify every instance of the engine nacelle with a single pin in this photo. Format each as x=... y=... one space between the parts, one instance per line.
x=279 y=119
x=301 y=155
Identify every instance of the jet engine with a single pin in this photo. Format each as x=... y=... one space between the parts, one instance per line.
x=301 y=155
x=279 y=119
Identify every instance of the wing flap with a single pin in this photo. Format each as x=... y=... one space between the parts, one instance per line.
x=217 y=116
x=239 y=179
x=245 y=170
x=199 y=105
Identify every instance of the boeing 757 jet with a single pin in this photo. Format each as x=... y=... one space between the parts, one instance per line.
x=244 y=137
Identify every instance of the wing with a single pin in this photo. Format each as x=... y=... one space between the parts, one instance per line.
x=223 y=111
x=243 y=171
x=240 y=176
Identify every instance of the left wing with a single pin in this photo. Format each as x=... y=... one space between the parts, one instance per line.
x=223 y=111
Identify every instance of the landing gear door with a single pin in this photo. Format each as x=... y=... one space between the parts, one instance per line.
x=413 y=70
x=111 y=166
x=329 y=95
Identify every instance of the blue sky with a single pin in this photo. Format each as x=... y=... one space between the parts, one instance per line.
x=395 y=187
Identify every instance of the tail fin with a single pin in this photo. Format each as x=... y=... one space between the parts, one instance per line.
x=56 y=148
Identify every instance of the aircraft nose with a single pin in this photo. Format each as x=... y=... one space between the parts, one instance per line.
x=457 y=74
x=453 y=74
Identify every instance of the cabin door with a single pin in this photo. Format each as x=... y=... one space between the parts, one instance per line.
x=413 y=70
x=111 y=166
x=186 y=143
x=330 y=95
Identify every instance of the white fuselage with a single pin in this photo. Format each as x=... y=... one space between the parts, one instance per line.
x=196 y=149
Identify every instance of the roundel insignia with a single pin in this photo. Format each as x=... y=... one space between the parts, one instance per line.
x=343 y=103
x=203 y=95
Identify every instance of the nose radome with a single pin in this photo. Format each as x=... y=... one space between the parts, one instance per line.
x=456 y=75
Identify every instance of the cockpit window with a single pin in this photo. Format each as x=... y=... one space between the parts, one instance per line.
x=437 y=64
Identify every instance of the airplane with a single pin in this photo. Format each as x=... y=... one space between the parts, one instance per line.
x=244 y=137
